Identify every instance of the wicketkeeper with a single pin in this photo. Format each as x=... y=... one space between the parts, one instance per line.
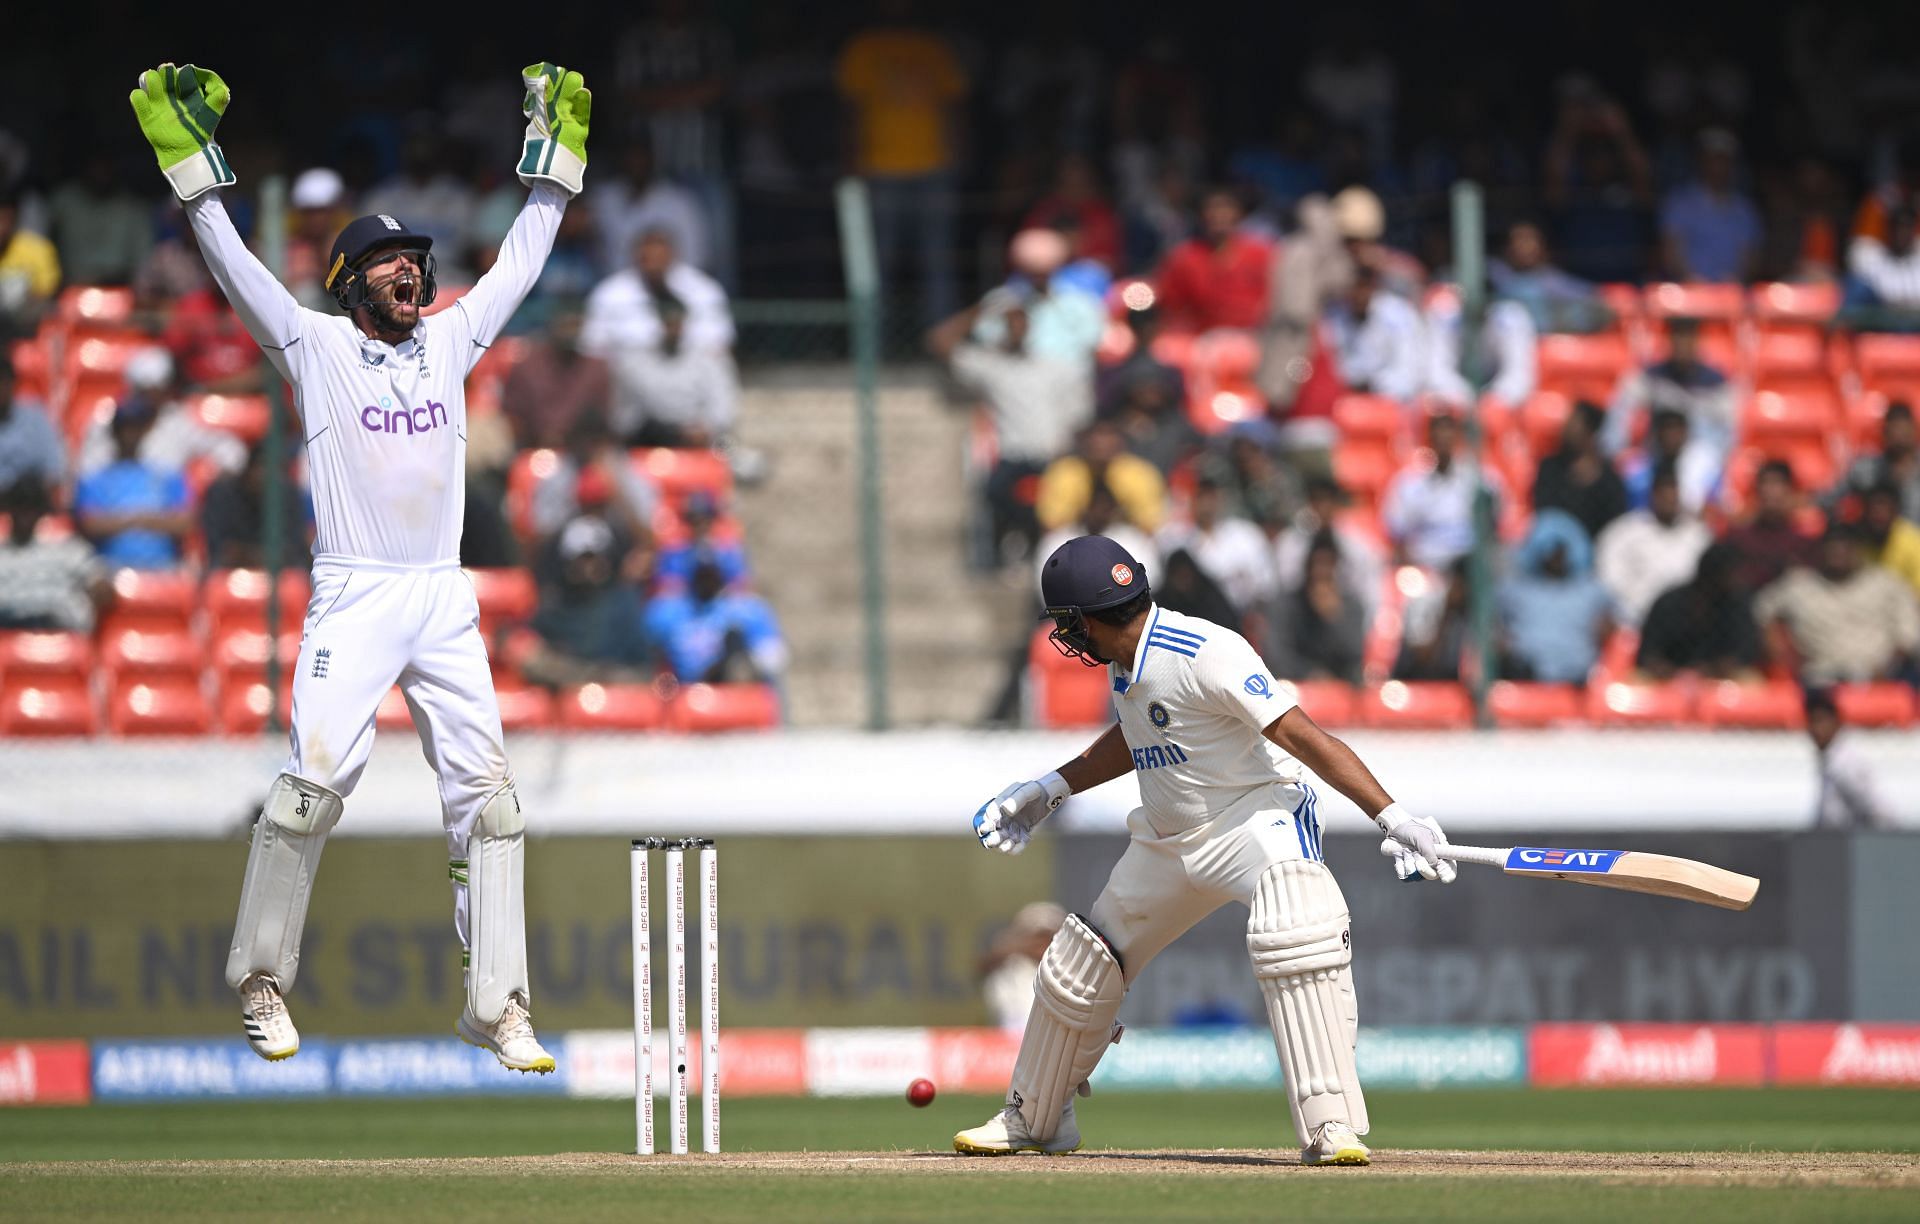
x=381 y=398
x=1225 y=816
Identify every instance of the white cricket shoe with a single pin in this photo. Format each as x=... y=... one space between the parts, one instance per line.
x=1006 y=1132
x=263 y=1014
x=1334 y=1143
x=510 y=1038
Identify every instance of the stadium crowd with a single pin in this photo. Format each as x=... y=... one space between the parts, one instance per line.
x=1230 y=336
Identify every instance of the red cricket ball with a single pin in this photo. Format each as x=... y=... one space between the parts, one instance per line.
x=920 y=1093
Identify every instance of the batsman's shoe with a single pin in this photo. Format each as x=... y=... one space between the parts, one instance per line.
x=510 y=1038
x=263 y=1013
x=1335 y=1144
x=1006 y=1132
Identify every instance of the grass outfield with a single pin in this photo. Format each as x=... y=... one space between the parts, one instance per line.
x=1232 y=1159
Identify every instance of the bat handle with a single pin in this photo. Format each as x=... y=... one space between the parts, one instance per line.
x=1485 y=856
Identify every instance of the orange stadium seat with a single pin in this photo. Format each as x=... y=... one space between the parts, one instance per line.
x=1331 y=703
x=1623 y=703
x=1117 y=342
x=1372 y=419
x=1419 y=704
x=1795 y=357
x=1890 y=364
x=1782 y=309
x=151 y=652
x=1583 y=366
x=506 y=596
x=245 y=416
x=1063 y=692
x=1721 y=309
x=1775 y=705
x=523 y=707
x=238 y=599
x=1515 y=704
x=1864 y=413
x=1543 y=418
x=45 y=652
x=611 y=707
x=1876 y=705
x=703 y=708
x=240 y=654
x=86 y=309
x=1364 y=473
x=243 y=707
x=524 y=474
x=1627 y=302
x=677 y=472
x=32 y=369
x=151 y=599
x=1805 y=413
x=46 y=706
x=156 y=705
x=392 y=713
x=1175 y=349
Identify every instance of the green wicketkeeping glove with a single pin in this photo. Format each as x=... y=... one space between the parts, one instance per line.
x=178 y=109
x=557 y=107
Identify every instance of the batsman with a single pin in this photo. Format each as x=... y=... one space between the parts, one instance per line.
x=1226 y=815
x=380 y=392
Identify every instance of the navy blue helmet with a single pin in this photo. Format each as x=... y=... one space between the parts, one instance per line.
x=365 y=237
x=1088 y=574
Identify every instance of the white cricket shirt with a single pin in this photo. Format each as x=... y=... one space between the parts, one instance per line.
x=385 y=425
x=1192 y=706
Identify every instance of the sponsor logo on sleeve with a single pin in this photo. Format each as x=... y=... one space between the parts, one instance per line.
x=1258 y=685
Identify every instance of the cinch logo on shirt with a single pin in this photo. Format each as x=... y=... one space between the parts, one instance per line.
x=385 y=418
x=1157 y=757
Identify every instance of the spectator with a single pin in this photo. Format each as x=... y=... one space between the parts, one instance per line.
x=707 y=634
x=430 y=198
x=135 y=515
x=637 y=200
x=1686 y=384
x=1577 y=478
x=570 y=272
x=211 y=348
x=1557 y=300
x=1231 y=550
x=589 y=619
x=1883 y=286
x=1010 y=963
x=1257 y=486
x=1322 y=626
x=673 y=393
x=1850 y=795
x=233 y=514
x=1101 y=460
x=1428 y=507
x=554 y=385
x=29 y=272
x=102 y=229
x=594 y=472
x=1219 y=278
x=1891 y=541
x=1434 y=640
x=1897 y=463
x=906 y=89
x=1103 y=517
x=29 y=445
x=1379 y=339
x=1076 y=196
x=174 y=268
x=1645 y=552
x=1187 y=589
x=623 y=311
x=673 y=571
x=1669 y=441
x=1036 y=404
x=1081 y=272
x=1361 y=221
x=1553 y=611
x=53 y=583
x=1709 y=230
x=319 y=199
x=1362 y=563
x=1842 y=621
x=178 y=437
x=1704 y=625
x=1599 y=186
x=1147 y=398
x=1771 y=541
x=1505 y=364
x=1064 y=322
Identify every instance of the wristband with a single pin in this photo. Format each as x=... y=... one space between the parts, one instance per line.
x=1390 y=817
x=1056 y=788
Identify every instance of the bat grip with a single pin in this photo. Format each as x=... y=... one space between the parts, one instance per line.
x=1485 y=856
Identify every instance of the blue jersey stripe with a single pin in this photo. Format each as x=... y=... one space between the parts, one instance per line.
x=1185 y=633
x=1175 y=647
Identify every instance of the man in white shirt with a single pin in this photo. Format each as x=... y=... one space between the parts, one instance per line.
x=1379 y=340
x=177 y=437
x=626 y=207
x=1231 y=551
x=1644 y=553
x=1850 y=795
x=382 y=404
x=671 y=394
x=623 y=311
x=1428 y=508
x=1887 y=273
x=1226 y=815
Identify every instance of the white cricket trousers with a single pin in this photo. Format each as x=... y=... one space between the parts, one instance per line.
x=1162 y=886
x=369 y=626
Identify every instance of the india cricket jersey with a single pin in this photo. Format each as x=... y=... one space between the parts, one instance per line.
x=385 y=425
x=1192 y=705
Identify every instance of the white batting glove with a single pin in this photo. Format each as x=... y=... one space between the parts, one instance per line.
x=1005 y=822
x=1416 y=844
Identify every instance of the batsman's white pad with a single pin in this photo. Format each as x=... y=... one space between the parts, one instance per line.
x=1076 y=994
x=496 y=907
x=1301 y=946
x=287 y=840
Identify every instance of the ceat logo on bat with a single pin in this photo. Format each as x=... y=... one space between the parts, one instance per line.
x=1123 y=575
x=1542 y=857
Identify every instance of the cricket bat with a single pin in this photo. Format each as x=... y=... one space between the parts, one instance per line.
x=1632 y=870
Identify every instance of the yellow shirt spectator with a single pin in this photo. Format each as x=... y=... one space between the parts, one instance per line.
x=901 y=84
x=30 y=256
x=1067 y=485
x=1901 y=553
